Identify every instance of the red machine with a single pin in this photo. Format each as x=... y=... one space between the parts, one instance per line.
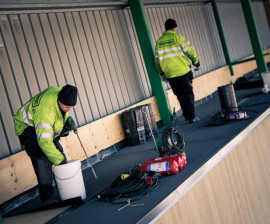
x=169 y=167
x=166 y=165
x=179 y=158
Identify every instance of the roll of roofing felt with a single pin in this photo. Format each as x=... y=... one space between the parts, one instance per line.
x=130 y=128
x=134 y=126
x=146 y=121
x=227 y=98
x=139 y=124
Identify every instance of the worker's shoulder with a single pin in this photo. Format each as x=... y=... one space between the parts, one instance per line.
x=51 y=90
x=160 y=38
x=170 y=35
x=54 y=88
x=168 y=38
x=164 y=37
x=50 y=93
x=47 y=95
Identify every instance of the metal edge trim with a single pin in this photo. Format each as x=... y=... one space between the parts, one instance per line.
x=68 y=7
x=179 y=192
x=62 y=5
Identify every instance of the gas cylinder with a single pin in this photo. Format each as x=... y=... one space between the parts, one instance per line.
x=169 y=167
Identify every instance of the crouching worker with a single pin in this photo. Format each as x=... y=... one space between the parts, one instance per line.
x=39 y=124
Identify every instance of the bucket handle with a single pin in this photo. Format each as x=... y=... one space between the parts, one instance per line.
x=68 y=177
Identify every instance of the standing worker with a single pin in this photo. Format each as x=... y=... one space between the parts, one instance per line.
x=39 y=124
x=172 y=59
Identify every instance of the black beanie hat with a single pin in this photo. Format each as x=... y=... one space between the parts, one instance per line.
x=68 y=95
x=169 y=24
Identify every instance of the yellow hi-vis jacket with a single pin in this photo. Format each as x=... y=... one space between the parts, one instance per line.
x=43 y=113
x=172 y=55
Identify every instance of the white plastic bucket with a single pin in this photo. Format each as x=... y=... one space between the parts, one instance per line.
x=266 y=81
x=69 y=180
x=266 y=78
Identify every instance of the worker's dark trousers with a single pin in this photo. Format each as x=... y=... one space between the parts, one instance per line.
x=41 y=164
x=182 y=88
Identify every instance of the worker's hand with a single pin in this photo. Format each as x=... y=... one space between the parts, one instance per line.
x=71 y=123
x=197 y=66
x=163 y=78
x=64 y=161
x=69 y=126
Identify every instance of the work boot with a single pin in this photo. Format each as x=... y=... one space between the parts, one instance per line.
x=194 y=120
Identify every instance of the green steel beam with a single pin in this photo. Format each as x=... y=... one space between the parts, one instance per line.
x=246 y=60
x=221 y=36
x=254 y=37
x=147 y=47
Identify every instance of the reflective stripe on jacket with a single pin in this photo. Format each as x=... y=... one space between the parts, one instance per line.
x=172 y=55
x=43 y=113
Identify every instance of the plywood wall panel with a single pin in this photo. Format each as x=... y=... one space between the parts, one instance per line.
x=17 y=176
x=205 y=85
x=111 y=124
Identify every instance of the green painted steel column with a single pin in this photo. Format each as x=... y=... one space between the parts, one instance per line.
x=221 y=36
x=147 y=47
x=254 y=36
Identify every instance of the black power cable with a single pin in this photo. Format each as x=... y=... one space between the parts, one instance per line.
x=136 y=186
x=217 y=119
x=173 y=141
x=220 y=118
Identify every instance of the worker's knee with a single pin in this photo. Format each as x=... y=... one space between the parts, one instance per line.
x=44 y=171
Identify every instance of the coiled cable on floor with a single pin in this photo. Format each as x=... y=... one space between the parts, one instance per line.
x=217 y=119
x=220 y=117
x=135 y=186
x=173 y=141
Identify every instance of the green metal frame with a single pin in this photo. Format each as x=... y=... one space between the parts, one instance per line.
x=221 y=36
x=147 y=47
x=254 y=36
x=246 y=60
